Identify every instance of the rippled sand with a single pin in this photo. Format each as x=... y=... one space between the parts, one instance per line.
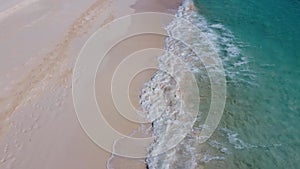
x=39 y=42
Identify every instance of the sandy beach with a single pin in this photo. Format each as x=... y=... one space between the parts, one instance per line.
x=39 y=43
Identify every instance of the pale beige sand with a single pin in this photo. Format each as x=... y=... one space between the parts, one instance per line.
x=40 y=128
x=103 y=81
x=166 y=6
x=39 y=42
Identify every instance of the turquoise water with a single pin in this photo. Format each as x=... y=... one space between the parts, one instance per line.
x=260 y=128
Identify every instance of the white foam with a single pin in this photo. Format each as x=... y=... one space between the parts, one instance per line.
x=208 y=157
x=186 y=154
x=160 y=94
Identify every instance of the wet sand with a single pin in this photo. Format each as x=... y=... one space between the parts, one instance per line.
x=39 y=43
x=166 y=6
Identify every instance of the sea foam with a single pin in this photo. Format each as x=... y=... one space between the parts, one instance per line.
x=160 y=96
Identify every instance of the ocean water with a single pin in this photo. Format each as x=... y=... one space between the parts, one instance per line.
x=258 y=42
x=262 y=115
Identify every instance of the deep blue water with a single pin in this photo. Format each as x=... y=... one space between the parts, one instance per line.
x=261 y=123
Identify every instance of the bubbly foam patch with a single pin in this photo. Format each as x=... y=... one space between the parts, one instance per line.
x=160 y=96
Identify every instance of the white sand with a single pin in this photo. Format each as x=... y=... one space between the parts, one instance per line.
x=39 y=42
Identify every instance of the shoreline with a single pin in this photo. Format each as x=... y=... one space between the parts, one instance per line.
x=149 y=41
x=39 y=117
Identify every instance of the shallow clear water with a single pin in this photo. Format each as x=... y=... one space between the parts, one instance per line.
x=261 y=124
x=258 y=42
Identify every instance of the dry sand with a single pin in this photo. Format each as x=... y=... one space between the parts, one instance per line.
x=39 y=42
